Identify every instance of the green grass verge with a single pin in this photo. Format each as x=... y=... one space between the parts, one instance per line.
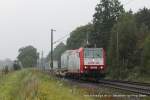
x=34 y=85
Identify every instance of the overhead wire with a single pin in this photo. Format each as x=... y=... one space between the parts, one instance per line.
x=61 y=39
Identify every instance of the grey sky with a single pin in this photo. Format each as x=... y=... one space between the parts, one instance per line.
x=28 y=22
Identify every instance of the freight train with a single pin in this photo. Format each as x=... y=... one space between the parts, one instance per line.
x=83 y=62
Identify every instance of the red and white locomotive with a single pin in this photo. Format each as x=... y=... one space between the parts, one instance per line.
x=84 y=62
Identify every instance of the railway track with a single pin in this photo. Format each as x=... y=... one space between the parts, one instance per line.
x=135 y=87
x=140 y=88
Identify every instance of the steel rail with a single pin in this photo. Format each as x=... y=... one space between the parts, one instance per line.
x=140 y=88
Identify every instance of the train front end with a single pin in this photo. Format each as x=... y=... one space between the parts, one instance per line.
x=93 y=61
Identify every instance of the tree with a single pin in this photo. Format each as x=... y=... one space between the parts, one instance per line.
x=28 y=56
x=123 y=46
x=79 y=36
x=145 y=68
x=107 y=14
x=143 y=17
x=143 y=24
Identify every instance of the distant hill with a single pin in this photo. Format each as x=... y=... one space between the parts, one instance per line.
x=6 y=62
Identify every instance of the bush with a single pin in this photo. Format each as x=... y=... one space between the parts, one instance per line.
x=16 y=66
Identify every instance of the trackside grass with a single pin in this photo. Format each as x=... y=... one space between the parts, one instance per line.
x=33 y=85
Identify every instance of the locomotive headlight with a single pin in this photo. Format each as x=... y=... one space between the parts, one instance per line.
x=93 y=60
x=101 y=67
x=85 y=67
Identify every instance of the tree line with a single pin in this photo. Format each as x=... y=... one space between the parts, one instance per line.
x=125 y=36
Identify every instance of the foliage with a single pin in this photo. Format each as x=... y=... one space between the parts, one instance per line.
x=143 y=23
x=106 y=15
x=145 y=68
x=121 y=53
x=143 y=17
x=78 y=37
x=130 y=58
x=28 y=56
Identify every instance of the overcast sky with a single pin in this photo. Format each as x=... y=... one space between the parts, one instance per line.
x=28 y=22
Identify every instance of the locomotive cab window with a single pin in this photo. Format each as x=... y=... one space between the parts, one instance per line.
x=93 y=53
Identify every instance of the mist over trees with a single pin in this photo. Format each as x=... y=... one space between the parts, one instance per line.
x=125 y=36
x=6 y=62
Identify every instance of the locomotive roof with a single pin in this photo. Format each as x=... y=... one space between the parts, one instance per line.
x=78 y=50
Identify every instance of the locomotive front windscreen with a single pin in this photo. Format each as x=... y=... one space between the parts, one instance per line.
x=92 y=53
